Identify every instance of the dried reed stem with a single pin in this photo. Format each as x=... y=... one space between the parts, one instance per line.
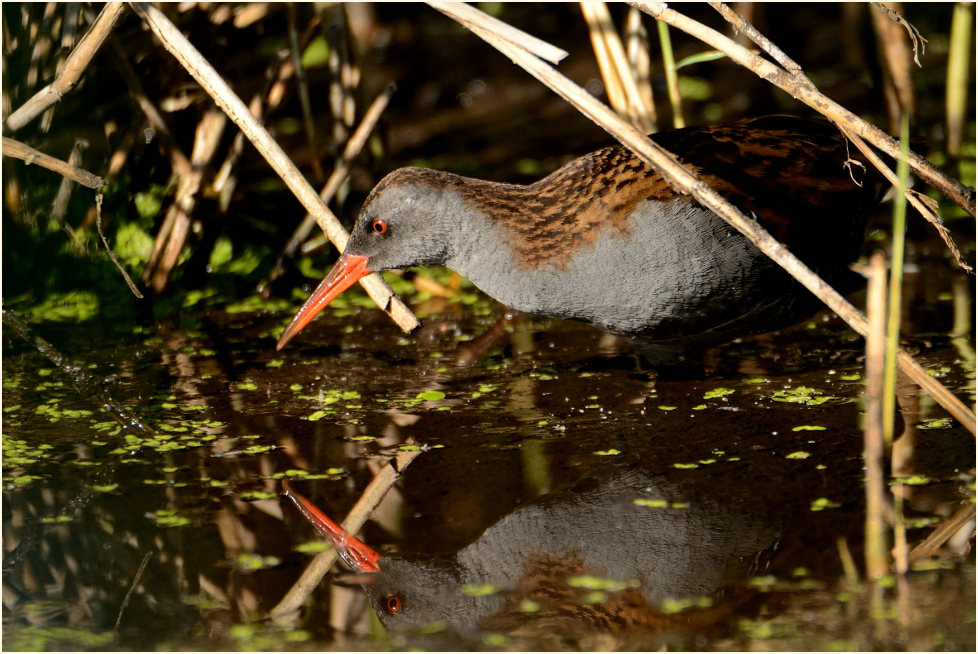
x=340 y=172
x=923 y=204
x=897 y=83
x=917 y=200
x=804 y=91
x=74 y=66
x=473 y=18
x=302 y=83
x=743 y=27
x=685 y=181
x=170 y=242
x=18 y=150
x=191 y=59
x=622 y=87
x=640 y=64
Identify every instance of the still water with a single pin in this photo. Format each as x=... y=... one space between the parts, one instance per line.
x=563 y=497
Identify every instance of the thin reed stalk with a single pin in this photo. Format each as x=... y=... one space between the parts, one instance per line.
x=201 y=70
x=896 y=284
x=686 y=181
x=959 y=59
x=672 y=77
x=800 y=88
x=876 y=525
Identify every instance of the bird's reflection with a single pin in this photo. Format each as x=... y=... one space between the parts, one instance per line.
x=632 y=548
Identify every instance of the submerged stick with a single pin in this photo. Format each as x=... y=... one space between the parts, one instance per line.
x=132 y=587
x=84 y=382
x=874 y=447
x=944 y=532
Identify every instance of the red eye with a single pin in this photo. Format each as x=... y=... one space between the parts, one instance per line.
x=393 y=604
x=379 y=225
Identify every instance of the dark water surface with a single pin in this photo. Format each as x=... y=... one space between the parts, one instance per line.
x=704 y=514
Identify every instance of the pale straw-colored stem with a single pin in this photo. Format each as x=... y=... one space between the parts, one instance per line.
x=191 y=59
x=686 y=181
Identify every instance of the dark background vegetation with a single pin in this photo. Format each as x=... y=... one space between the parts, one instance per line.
x=460 y=105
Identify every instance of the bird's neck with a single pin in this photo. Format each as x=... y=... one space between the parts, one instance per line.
x=472 y=219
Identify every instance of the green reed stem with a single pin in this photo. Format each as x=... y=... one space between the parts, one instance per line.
x=896 y=283
x=959 y=59
x=672 y=77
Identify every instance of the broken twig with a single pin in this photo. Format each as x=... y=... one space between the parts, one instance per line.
x=18 y=150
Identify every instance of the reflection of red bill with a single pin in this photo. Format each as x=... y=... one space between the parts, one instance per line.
x=358 y=555
x=348 y=270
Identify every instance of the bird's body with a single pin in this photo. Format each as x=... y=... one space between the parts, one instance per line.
x=605 y=239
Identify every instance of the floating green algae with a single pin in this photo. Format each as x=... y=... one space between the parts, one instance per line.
x=718 y=392
x=591 y=582
x=823 y=503
x=73 y=306
x=802 y=395
x=257 y=495
x=672 y=605
x=312 y=547
x=798 y=455
x=249 y=562
x=168 y=518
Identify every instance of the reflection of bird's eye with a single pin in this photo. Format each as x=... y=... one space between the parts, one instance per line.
x=393 y=604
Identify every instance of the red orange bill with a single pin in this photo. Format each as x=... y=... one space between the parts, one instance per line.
x=348 y=270
x=358 y=555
